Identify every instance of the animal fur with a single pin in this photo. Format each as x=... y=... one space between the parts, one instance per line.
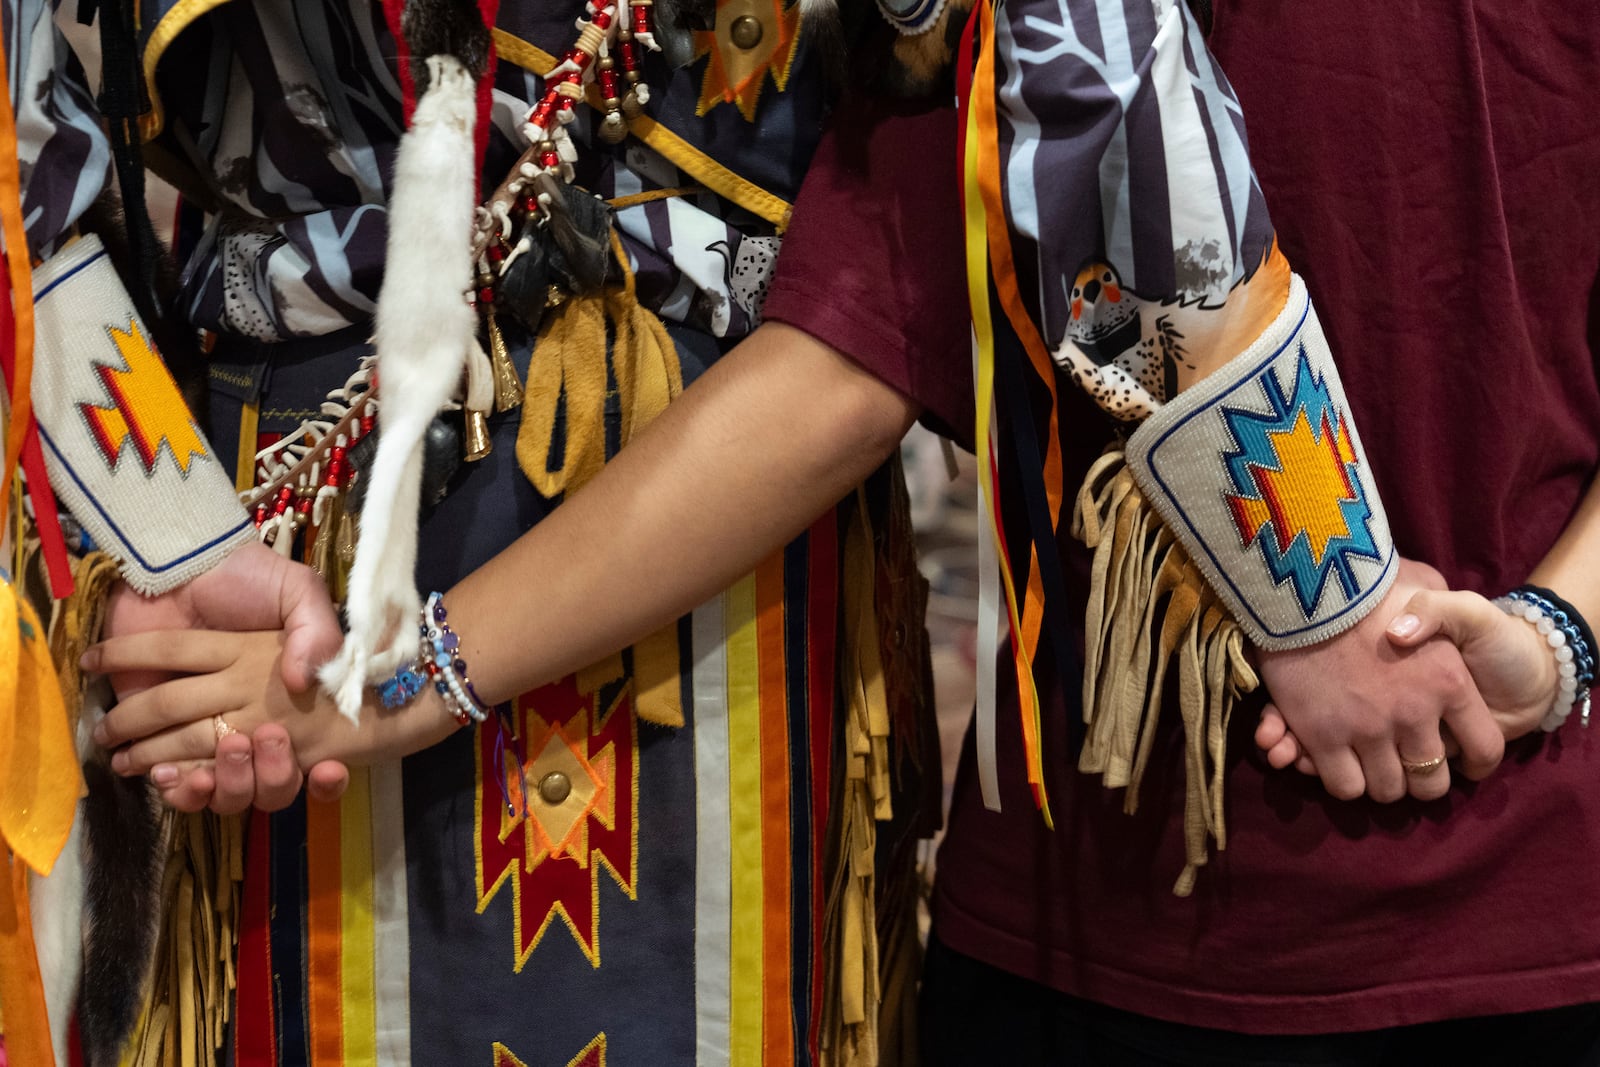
x=96 y=917
x=922 y=66
x=424 y=331
x=453 y=28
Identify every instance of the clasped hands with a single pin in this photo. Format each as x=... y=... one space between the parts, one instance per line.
x=1429 y=674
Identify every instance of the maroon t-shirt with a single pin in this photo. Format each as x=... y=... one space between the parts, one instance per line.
x=1435 y=175
x=873 y=263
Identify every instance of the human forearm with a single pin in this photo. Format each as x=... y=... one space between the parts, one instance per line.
x=772 y=435
x=1569 y=567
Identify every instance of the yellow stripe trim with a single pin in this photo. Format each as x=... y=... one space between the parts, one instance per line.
x=356 y=961
x=711 y=174
x=680 y=153
x=174 y=22
x=744 y=825
x=244 y=468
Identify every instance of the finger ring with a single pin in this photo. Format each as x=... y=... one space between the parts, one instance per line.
x=223 y=729
x=1427 y=766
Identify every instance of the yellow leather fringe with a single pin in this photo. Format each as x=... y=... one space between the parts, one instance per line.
x=849 y=1035
x=188 y=998
x=572 y=375
x=75 y=625
x=1150 y=610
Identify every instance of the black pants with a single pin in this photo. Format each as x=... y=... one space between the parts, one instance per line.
x=975 y=1015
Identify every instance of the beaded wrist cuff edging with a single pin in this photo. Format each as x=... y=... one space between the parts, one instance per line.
x=1570 y=640
x=1258 y=472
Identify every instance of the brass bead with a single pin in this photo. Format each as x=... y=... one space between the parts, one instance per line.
x=746 y=32
x=555 y=787
x=477 y=444
x=613 y=130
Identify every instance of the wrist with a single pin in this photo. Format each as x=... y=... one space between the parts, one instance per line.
x=1570 y=644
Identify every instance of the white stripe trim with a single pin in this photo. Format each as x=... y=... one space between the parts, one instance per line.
x=391 y=937
x=713 y=855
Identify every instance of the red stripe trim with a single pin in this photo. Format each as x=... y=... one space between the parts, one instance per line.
x=254 y=1042
x=324 y=995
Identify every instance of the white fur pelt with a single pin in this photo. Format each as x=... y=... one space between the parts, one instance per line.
x=424 y=331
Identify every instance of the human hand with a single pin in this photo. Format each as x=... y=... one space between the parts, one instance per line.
x=1510 y=661
x=254 y=588
x=250 y=770
x=1356 y=709
x=237 y=679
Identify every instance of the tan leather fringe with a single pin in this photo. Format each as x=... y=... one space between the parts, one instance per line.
x=75 y=625
x=188 y=998
x=1150 y=612
x=186 y=1015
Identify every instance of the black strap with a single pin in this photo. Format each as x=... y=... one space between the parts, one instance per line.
x=122 y=102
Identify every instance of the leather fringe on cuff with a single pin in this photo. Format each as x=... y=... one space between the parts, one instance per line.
x=1150 y=612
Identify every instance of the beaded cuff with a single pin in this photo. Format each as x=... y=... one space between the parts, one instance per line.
x=1257 y=470
x=116 y=434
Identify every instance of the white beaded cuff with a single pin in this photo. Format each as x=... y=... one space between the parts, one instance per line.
x=1257 y=469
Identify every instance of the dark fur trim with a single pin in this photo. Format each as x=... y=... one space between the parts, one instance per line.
x=123 y=867
x=923 y=67
x=448 y=28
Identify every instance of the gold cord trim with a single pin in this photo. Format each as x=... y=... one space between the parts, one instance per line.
x=622 y=203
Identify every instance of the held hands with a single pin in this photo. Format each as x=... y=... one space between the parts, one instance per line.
x=254 y=588
x=238 y=679
x=1364 y=710
x=1509 y=664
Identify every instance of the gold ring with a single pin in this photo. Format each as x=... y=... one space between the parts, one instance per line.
x=1427 y=766
x=222 y=728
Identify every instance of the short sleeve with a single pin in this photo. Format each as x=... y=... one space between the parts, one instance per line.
x=872 y=262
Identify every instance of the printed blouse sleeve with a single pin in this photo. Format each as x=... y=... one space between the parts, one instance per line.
x=1133 y=255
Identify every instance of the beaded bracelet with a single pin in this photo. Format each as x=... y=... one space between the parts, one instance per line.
x=1570 y=640
x=439 y=661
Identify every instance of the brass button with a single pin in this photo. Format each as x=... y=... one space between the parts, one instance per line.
x=555 y=787
x=745 y=32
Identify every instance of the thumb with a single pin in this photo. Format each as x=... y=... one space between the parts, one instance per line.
x=311 y=627
x=327 y=781
x=1460 y=616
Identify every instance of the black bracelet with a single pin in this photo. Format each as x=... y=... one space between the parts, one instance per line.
x=1573 y=615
